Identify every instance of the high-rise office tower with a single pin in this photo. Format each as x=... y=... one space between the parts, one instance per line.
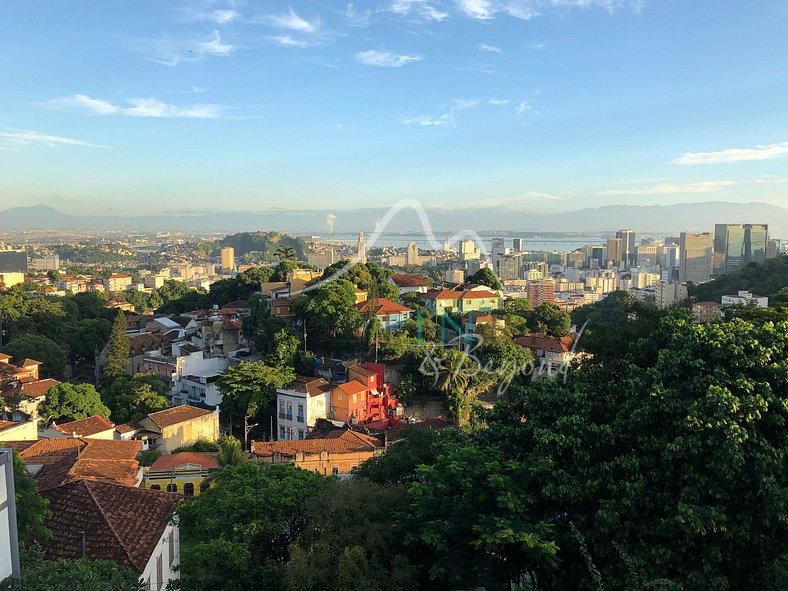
x=627 y=245
x=412 y=254
x=737 y=245
x=615 y=251
x=497 y=251
x=696 y=255
x=228 y=259
x=517 y=245
x=509 y=266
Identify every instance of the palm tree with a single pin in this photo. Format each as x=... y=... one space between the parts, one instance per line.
x=285 y=253
x=231 y=453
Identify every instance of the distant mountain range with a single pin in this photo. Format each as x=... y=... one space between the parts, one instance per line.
x=656 y=219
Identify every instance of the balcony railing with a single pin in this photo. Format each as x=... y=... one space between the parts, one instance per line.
x=289 y=416
x=300 y=418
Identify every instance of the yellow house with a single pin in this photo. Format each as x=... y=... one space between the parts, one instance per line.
x=11 y=431
x=185 y=472
x=180 y=426
x=298 y=278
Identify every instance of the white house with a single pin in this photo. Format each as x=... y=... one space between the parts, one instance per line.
x=745 y=298
x=300 y=404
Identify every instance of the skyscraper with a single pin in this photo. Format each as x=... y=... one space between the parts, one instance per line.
x=615 y=250
x=517 y=245
x=736 y=245
x=627 y=245
x=362 y=248
x=496 y=252
x=696 y=254
x=412 y=254
x=228 y=259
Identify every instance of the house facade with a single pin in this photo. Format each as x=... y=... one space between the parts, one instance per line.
x=390 y=314
x=185 y=473
x=300 y=404
x=180 y=426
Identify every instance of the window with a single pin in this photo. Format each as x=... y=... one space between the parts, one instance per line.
x=188 y=489
x=335 y=470
x=172 y=487
x=300 y=433
x=155 y=487
x=281 y=433
x=159 y=573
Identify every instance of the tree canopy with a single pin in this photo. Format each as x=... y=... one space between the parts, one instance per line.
x=41 y=349
x=72 y=402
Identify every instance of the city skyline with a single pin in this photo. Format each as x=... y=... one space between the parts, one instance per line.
x=543 y=105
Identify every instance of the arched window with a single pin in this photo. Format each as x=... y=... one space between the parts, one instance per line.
x=188 y=489
x=172 y=487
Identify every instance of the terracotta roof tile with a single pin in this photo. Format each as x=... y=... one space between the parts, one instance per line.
x=352 y=387
x=307 y=385
x=177 y=414
x=337 y=441
x=120 y=523
x=384 y=306
x=173 y=461
x=85 y=427
x=544 y=342
x=7 y=425
x=410 y=280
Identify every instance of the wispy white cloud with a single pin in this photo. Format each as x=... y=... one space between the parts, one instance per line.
x=355 y=17
x=485 y=10
x=477 y=9
x=498 y=102
x=292 y=22
x=216 y=16
x=540 y=195
x=525 y=108
x=696 y=187
x=386 y=59
x=443 y=119
x=489 y=48
x=21 y=139
x=138 y=107
x=423 y=8
x=764 y=152
x=288 y=41
x=172 y=52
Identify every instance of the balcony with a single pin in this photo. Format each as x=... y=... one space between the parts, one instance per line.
x=289 y=416
x=300 y=418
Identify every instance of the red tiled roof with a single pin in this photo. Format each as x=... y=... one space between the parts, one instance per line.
x=174 y=461
x=352 y=387
x=307 y=385
x=337 y=441
x=4 y=357
x=410 y=280
x=39 y=388
x=127 y=428
x=120 y=523
x=544 y=342
x=7 y=425
x=85 y=427
x=364 y=371
x=473 y=295
x=177 y=414
x=148 y=341
x=69 y=459
x=242 y=304
x=27 y=362
x=384 y=306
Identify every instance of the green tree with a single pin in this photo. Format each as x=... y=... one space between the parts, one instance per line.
x=285 y=347
x=72 y=402
x=75 y=575
x=9 y=310
x=237 y=534
x=41 y=349
x=473 y=524
x=286 y=253
x=486 y=277
x=665 y=470
x=329 y=310
x=231 y=453
x=247 y=388
x=130 y=398
x=549 y=319
x=32 y=510
x=118 y=351
x=348 y=542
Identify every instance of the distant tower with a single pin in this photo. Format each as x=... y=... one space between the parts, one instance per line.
x=412 y=254
x=362 y=248
x=228 y=259
x=627 y=246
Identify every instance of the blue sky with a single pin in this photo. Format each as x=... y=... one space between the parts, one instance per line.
x=551 y=105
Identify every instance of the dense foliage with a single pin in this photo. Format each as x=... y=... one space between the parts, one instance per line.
x=763 y=279
x=71 y=402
